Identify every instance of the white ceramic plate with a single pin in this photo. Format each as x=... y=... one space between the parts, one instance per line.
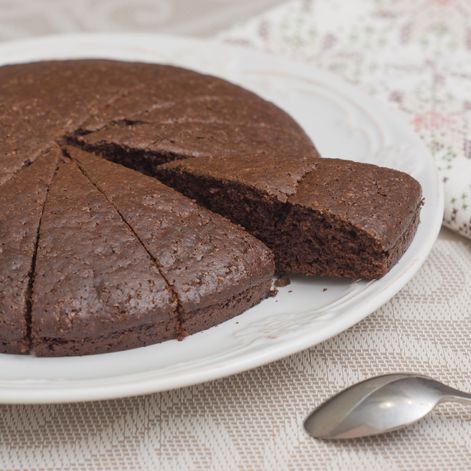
x=343 y=122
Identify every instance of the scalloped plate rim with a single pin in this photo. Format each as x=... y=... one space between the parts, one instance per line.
x=52 y=391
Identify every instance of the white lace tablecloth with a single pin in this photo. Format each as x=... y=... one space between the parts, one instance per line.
x=252 y=421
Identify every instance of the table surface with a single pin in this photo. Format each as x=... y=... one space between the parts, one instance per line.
x=253 y=420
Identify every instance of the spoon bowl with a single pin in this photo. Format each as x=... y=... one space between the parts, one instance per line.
x=378 y=405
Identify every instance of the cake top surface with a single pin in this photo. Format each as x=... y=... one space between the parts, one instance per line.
x=376 y=200
x=92 y=274
x=44 y=101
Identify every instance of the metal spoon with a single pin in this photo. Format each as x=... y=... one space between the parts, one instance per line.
x=380 y=404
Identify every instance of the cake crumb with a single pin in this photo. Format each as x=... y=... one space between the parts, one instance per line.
x=282 y=281
x=272 y=293
x=324 y=289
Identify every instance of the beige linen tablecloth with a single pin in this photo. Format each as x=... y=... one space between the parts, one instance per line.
x=252 y=421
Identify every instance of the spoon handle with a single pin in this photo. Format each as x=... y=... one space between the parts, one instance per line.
x=455 y=395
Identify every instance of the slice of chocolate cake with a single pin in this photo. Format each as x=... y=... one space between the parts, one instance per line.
x=96 y=289
x=325 y=217
x=21 y=204
x=217 y=269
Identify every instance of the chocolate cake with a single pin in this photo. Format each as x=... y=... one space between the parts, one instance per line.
x=95 y=286
x=329 y=217
x=98 y=255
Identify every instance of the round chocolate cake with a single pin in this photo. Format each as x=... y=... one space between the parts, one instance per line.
x=102 y=244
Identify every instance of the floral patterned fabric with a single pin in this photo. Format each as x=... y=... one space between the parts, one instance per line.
x=415 y=54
